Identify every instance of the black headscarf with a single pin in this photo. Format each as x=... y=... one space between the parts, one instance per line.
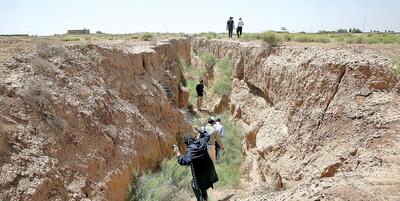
x=203 y=169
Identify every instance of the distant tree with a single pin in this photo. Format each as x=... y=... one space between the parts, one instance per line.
x=355 y=30
x=323 y=31
x=342 y=31
x=283 y=29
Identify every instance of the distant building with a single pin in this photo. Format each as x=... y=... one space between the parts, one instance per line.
x=78 y=31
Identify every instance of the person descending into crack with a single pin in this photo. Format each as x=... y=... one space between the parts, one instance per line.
x=220 y=128
x=214 y=138
x=200 y=93
x=203 y=171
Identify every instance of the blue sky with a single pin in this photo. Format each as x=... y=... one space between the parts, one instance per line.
x=47 y=17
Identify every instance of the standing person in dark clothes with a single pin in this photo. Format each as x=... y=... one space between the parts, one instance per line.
x=202 y=167
x=230 y=25
x=239 y=28
x=200 y=93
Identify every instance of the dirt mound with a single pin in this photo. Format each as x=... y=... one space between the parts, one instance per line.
x=320 y=122
x=77 y=121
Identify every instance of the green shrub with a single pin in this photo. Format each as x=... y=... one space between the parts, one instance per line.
x=355 y=40
x=221 y=85
x=270 y=38
x=339 y=39
x=70 y=38
x=390 y=39
x=191 y=108
x=164 y=185
x=211 y=35
x=372 y=39
x=309 y=38
x=397 y=65
x=303 y=38
x=191 y=87
x=146 y=36
x=192 y=74
x=224 y=66
x=231 y=158
x=351 y=38
x=287 y=37
x=228 y=175
x=177 y=175
x=323 y=39
x=173 y=182
x=208 y=59
x=249 y=36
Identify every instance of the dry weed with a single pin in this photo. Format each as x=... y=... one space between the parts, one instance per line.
x=56 y=123
x=38 y=97
x=43 y=67
x=47 y=50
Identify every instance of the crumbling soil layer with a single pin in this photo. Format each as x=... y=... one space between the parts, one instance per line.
x=76 y=122
x=321 y=123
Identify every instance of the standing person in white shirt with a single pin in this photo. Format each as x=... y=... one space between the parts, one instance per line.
x=214 y=140
x=239 y=28
x=220 y=128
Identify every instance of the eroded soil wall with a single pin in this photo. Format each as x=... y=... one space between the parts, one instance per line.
x=78 y=121
x=325 y=119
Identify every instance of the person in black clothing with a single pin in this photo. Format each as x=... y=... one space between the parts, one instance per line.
x=203 y=171
x=230 y=25
x=200 y=93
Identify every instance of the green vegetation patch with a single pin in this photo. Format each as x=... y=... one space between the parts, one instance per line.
x=211 y=35
x=147 y=36
x=270 y=38
x=208 y=59
x=70 y=38
x=221 y=85
x=396 y=62
x=192 y=75
x=173 y=182
x=228 y=167
x=309 y=38
x=274 y=38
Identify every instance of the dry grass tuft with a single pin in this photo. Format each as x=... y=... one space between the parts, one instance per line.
x=43 y=67
x=56 y=123
x=47 y=50
x=38 y=97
